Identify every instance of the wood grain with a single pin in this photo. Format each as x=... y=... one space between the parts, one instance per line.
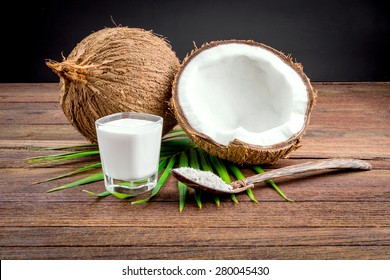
x=336 y=215
x=166 y=214
x=194 y=237
x=232 y=252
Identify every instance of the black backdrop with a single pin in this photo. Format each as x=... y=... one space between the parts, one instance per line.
x=335 y=40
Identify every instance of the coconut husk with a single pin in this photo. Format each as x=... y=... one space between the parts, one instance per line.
x=237 y=151
x=114 y=70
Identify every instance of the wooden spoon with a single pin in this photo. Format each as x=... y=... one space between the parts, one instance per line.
x=209 y=182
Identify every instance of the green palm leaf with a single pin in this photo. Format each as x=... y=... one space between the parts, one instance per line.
x=183 y=190
x=206 y=165
x=239 y=176
x=86 y=180
x=223 y=173
x=80 y=170
x=160 y=182
x=195 y=164
x=175 y=146
x=62 y=157
x=102 y=194
x=259 y=170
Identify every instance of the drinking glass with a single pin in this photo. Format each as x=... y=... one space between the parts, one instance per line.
x=129 y=145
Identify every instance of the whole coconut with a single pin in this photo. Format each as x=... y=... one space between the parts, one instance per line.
x=114 y=70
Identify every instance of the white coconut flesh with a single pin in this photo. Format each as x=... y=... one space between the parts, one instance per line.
x=244 y=92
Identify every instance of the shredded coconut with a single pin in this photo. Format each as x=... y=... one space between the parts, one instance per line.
x=205 y=178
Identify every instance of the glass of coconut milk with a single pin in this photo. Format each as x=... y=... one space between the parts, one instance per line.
x=129 y=145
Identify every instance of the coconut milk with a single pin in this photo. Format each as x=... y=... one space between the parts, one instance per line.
x=129 y=148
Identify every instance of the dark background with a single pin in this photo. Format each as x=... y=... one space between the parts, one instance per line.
x=335 y=40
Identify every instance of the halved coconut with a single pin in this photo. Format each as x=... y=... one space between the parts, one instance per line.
x=243 y=101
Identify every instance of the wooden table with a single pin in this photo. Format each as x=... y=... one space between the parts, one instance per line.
x=337 y=215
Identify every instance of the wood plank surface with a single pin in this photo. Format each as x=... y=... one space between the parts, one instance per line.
x=194 y=237
x=334 y=186
x=230 y=252
x=336 y=215
x=166 y=214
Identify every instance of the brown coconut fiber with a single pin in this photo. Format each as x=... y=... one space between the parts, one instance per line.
x=117 y=69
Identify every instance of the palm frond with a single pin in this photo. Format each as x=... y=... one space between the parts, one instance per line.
x=194 y=163
x=176 y=150
x=259 y=170
x=86 y=180
x=62 y=157
x=102 y=194
x=239 y=176
x=206 y=166
x=183 y=189
x=160 y=182
x=223 y=173
x=80 y=170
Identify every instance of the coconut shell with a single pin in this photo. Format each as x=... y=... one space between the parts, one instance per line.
x=237 y=151
x=114 y=70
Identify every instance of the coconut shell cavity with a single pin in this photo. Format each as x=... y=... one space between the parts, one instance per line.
x=243 y=101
